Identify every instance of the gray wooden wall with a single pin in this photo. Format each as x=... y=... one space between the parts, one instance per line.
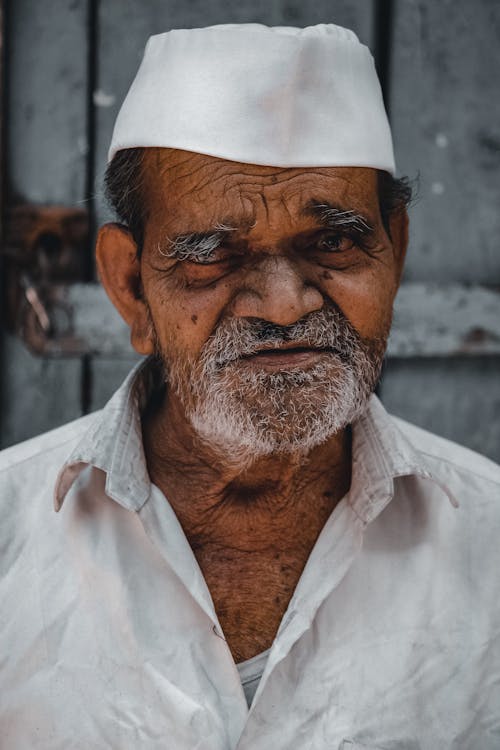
x=70 y=63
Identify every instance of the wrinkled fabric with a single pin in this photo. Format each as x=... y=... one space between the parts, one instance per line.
x=109 y=637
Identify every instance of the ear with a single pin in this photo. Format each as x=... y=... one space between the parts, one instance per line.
x=398 y=225
x=120 y=273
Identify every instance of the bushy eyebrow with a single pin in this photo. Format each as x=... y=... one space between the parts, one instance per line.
x=334 y=217
x=196 y=246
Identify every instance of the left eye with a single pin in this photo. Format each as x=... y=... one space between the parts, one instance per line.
x=335 y=243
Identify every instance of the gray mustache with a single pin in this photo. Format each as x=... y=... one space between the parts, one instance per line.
x=241 y=337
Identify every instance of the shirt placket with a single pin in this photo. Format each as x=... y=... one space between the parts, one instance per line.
x=166 y=534
x=337 y=547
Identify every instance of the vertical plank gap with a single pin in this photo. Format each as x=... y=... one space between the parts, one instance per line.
x=384 y=11
x=86 y=383
x=3 y=186
x=383 y=26
x=92 y=51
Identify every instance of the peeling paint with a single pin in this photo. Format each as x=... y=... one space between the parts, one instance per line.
x=437 y=188
x=82 y=145
x=441 y=140
x=102 y=99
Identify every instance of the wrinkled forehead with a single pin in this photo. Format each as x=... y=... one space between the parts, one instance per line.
x=185 y=183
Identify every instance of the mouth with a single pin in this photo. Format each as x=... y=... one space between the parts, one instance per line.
x=291 y=356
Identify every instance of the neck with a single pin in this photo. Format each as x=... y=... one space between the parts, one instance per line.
x=218 y=499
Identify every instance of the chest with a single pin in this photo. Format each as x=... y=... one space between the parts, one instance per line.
x=251 y=592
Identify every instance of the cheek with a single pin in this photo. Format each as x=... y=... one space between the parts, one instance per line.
x=184 y=319
x=365 y=299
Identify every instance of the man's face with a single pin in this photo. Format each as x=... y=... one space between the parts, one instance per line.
x=270 y=292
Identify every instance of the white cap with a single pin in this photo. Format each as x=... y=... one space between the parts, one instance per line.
x=278 y=96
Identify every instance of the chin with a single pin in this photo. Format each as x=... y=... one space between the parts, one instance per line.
x=281 y=413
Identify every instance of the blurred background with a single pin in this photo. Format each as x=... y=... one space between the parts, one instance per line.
x=66 y=66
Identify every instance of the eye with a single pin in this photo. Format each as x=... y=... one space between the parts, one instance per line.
x=208 y=260
x=335 y=243
x=211 y=257
x=211 y=265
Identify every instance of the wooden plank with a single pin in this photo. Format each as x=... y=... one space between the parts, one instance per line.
x=46 y=134
x=124 y=27
x=108 y=374
x=457 y=398
x=47 y=108
x=429 y=321
x=433 y=320
x=37 y=393
x=98 y=329
x=445 y=112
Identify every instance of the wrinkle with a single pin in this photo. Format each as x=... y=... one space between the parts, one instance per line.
x=266 y=207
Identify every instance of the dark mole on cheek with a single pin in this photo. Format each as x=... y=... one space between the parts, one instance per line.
x=194 y=318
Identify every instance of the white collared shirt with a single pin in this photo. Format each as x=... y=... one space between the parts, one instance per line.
x=109 y=637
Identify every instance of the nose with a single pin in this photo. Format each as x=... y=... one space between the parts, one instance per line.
x=276 y=291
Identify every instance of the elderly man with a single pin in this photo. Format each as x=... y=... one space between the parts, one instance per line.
x=251 y=553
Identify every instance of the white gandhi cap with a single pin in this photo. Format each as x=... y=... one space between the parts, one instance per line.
x=278 y=96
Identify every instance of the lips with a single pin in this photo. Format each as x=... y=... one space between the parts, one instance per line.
x=286 y=355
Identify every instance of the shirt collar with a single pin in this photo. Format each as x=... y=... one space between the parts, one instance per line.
x=113 y=443
x=380 y=454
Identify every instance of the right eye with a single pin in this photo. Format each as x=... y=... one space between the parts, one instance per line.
x=209 y=259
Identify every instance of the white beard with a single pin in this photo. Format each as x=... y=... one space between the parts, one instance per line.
x=244 y=412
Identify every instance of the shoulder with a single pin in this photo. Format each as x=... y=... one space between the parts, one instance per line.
x=451 y=462
x=28 y=473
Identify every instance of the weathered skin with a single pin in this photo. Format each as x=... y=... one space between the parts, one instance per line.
x=252 y=530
